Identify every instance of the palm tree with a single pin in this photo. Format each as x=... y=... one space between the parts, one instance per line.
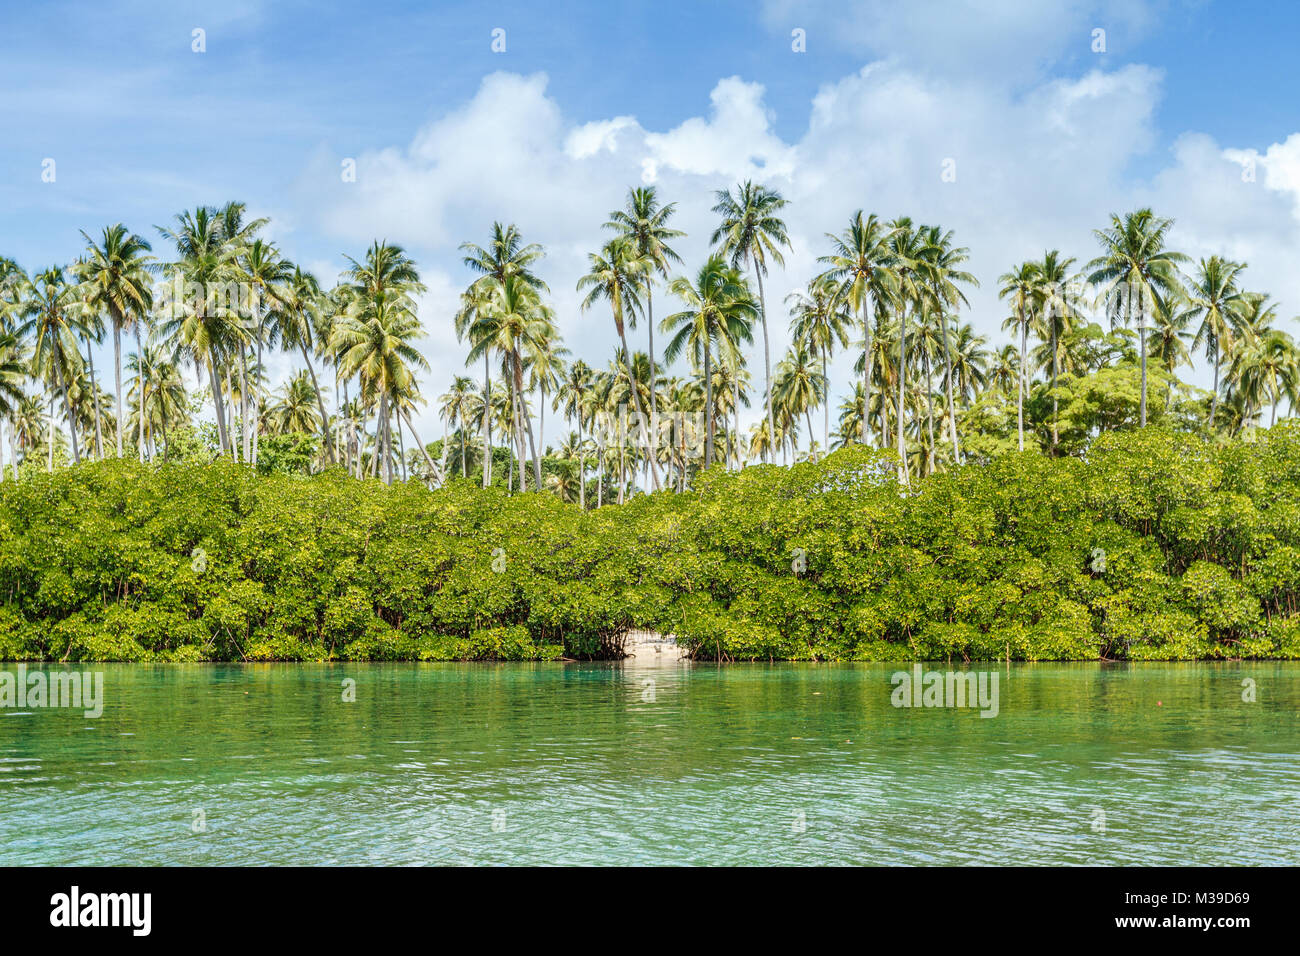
x=943 y=275
x=456 y=406
x=1267 y=368
x=14 y=368
x=117 y=272
x=574 y=392
x=800 y=387
x=516 y=323
x=1056 y=314
x=267 y=276
x=753 y=233
x=1214 y=295
x=644 y=222
x=1135 y=263
x=294 y=320
x=376 y=341
x=164 y=397
x=818 y=321
x=616 y=274
x=1019 y=286
x=92 y=333
x=295 y=408
x=719 y=309
x=910 y=252
x=51 y=317
x=201 y=321
x=505 y=255
x=861 y=267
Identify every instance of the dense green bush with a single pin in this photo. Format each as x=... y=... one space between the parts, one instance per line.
x=1155 y=545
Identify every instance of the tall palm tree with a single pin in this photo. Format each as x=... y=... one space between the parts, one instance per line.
x=1135 y=263
x=719 y=309
x=159 y=391
x=294 y=321
x=515 y=324
x=910 y=254
x=201 y=320
x=505 y=255
x=1056 y=314
x=14 y=367
x=1019 y=286
x=573 y=393
x=819 y=320
x=1214 y=295
x=376 y=341
x=456 y=406
x=267 y=276
x=644 y=222
x=118 y=273
x=861 y=267
x=753 y=233
x=616 y=274
x=800 y=387
x=942 y=275
x=52 y=322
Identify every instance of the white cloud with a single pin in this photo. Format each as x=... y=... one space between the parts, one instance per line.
x=1036 y=168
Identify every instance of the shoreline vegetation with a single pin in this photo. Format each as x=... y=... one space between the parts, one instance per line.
x=1065 y=496
x=1156 y=545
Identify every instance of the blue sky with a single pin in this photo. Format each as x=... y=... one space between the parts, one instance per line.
x=1048 y=136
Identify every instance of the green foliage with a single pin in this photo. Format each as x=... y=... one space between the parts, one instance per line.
x=1157 y=545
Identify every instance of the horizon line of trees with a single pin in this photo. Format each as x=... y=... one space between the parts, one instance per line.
x=1095 y=347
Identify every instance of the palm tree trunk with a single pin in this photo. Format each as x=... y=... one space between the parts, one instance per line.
x=952 y=414
x=735 y=405
x=117 y=379
x=1020 y=383
x=654 y=401
x=67 y=406
x=929 y=404
x=866 y=372
x=1214 y=399
x=767 y=358
x=1142 y=346
x=401 y=443
x=139 y=361
x=902 y=385
x=582 y=469
x=600 y=469
x=487 y=421
x=243 y=405
x=636 y=397
x=708 y=409
x=256 y=424
x=218 y=407
x=50 y=438
x=381 y=436
x=94 y=396
x=1055 y=404
x=826 y=407
x=320 y=405
x=434 y=472
x=526 y=422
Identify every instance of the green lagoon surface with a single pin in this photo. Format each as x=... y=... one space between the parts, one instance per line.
x=655 y=763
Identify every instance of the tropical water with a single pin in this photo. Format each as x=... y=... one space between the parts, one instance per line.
x=666 y=762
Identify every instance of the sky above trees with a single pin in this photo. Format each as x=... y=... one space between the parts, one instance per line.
x=1041 y=137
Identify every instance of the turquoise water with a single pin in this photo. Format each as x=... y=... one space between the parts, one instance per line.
x=657 y=763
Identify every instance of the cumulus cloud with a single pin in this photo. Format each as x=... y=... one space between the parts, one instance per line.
x=1035 y=168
